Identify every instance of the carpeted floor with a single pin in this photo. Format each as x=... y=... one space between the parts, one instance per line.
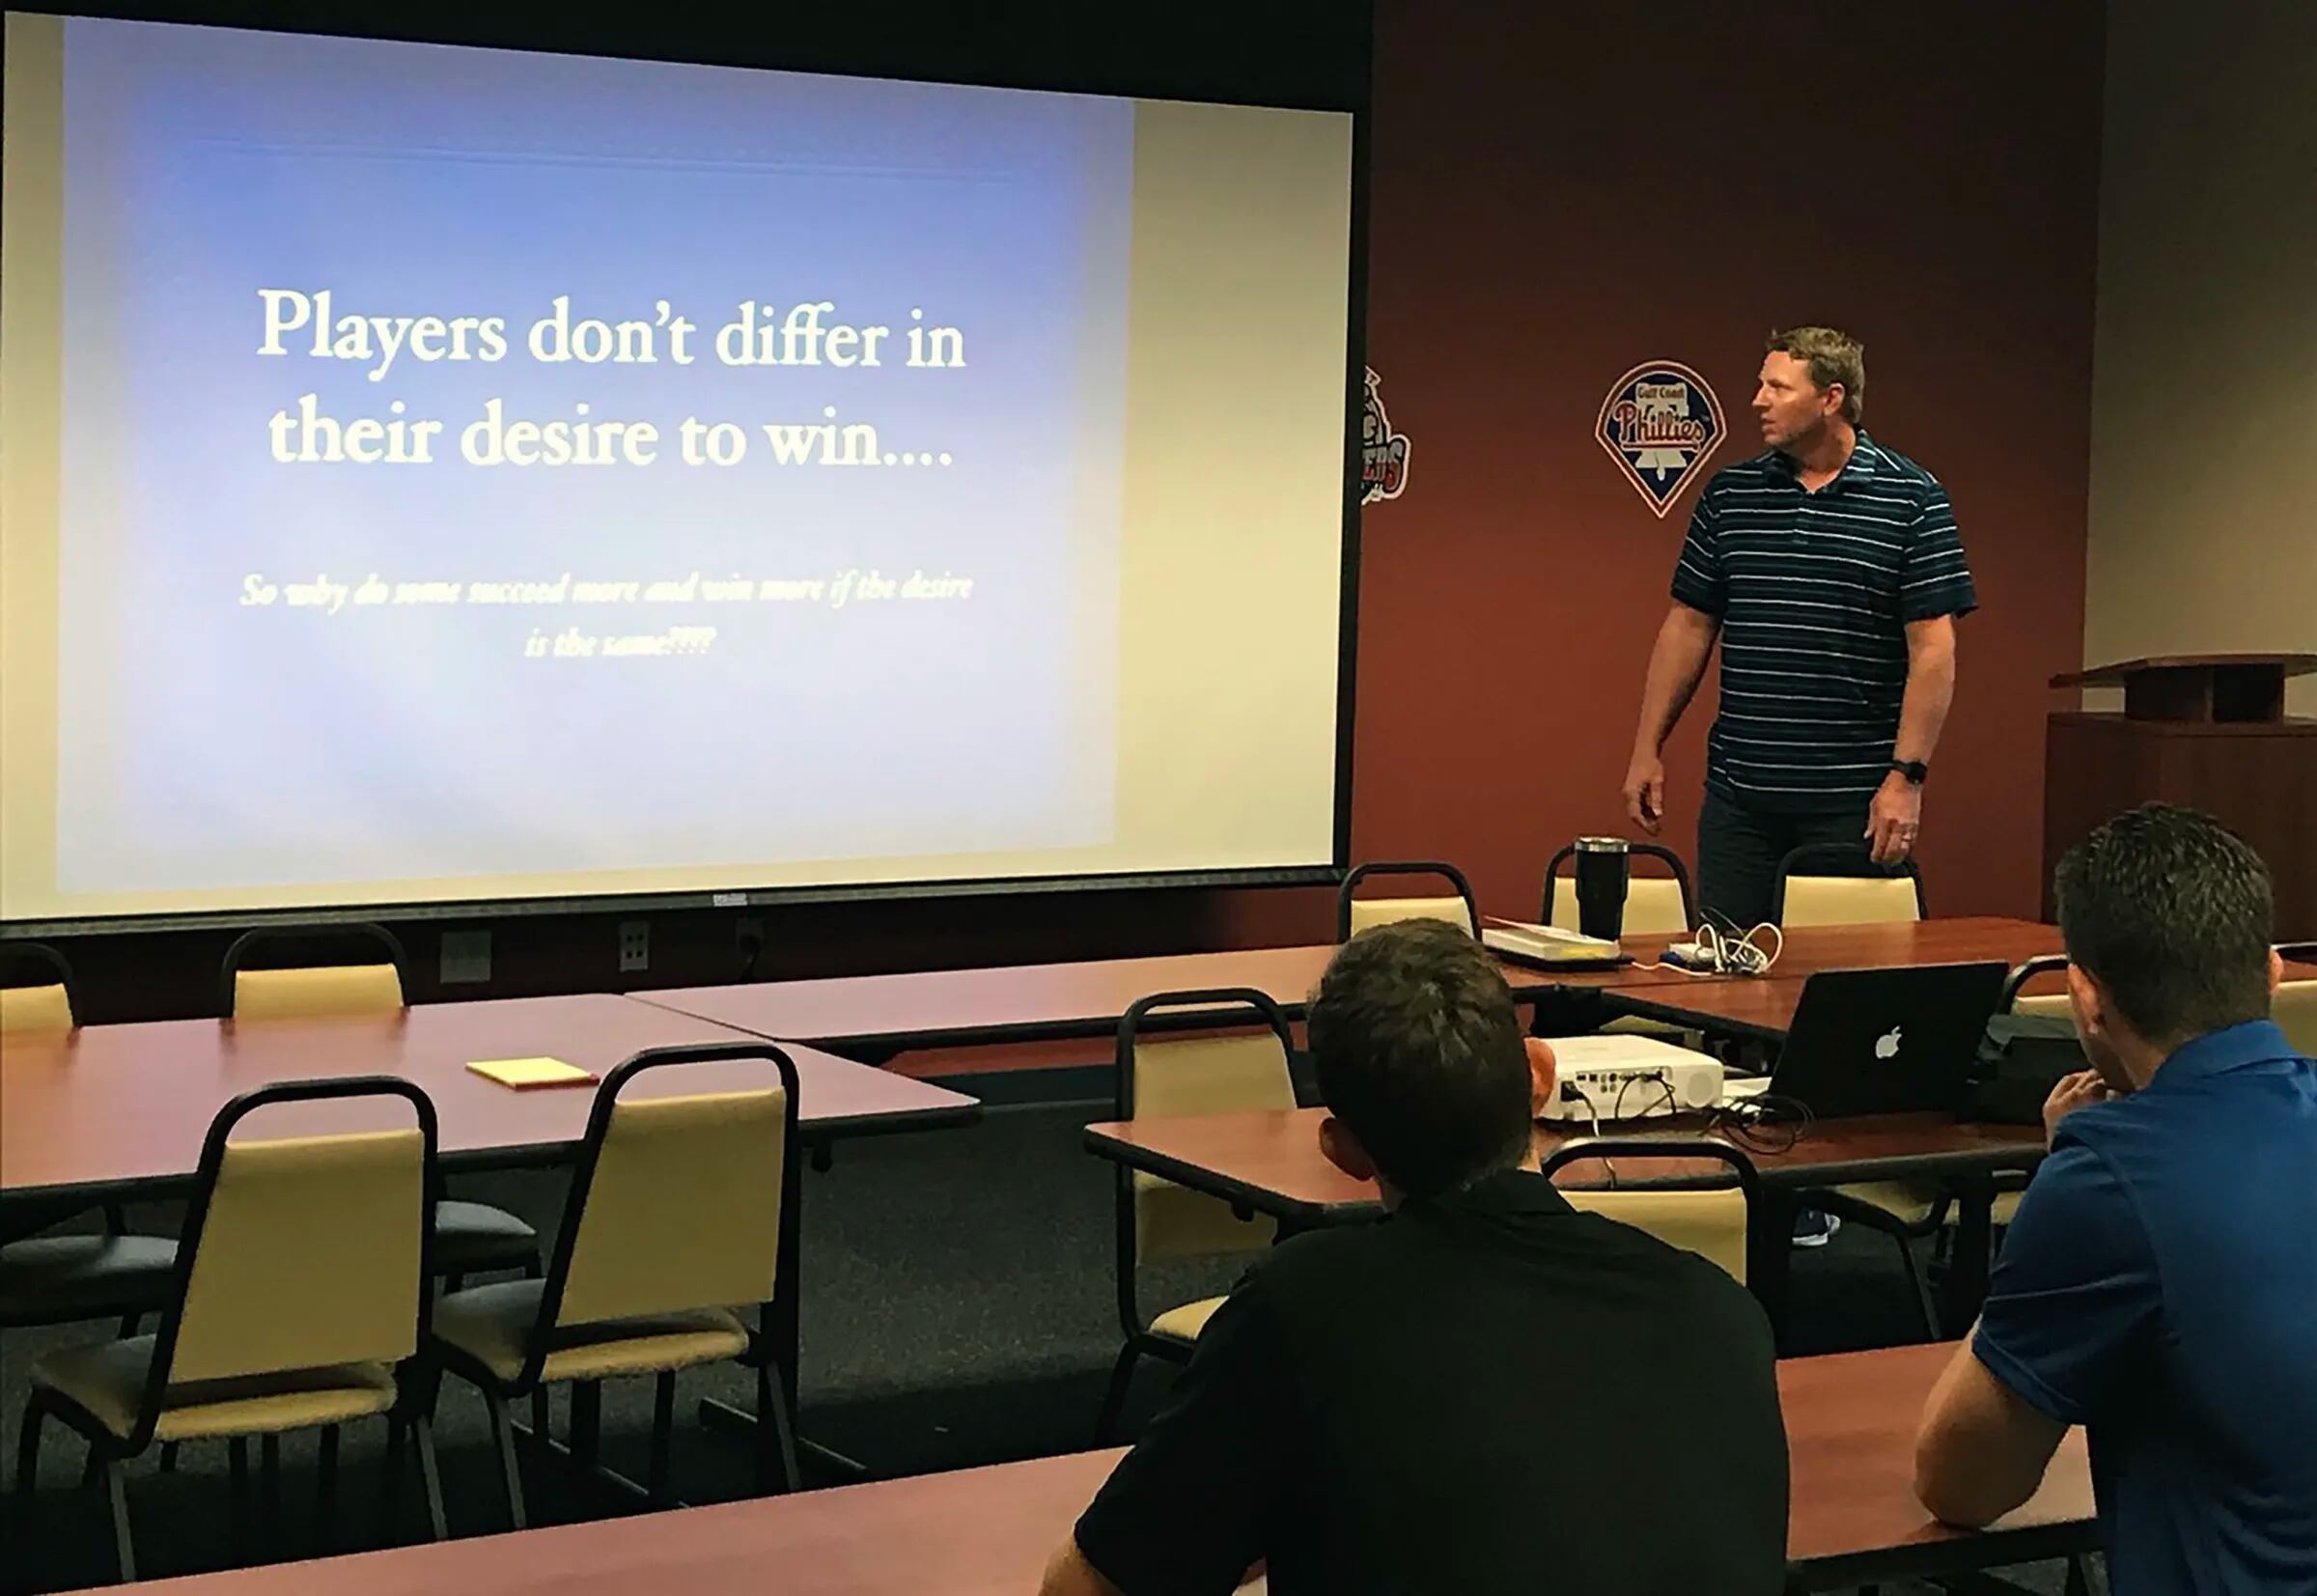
x=959 y=1309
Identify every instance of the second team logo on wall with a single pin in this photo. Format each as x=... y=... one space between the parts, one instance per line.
x=1383 y=452
x=1659 y=424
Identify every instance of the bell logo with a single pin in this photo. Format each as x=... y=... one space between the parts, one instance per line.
x=1659 y=424
x=1887 y=1046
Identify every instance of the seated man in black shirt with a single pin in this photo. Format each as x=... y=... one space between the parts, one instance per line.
x=1488 y=1391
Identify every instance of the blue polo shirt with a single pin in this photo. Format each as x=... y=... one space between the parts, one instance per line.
x=1814 y=592
x=2160 y=1287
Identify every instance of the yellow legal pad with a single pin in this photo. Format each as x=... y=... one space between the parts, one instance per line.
x=526 y=1075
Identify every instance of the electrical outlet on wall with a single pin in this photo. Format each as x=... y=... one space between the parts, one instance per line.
x=465 y=957
x=635 y=946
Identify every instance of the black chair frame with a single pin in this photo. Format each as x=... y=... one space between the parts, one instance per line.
x=1401 y=867
x=1758 y=1258
x=2046 y=963
x=1854 y=860
x=15 y=958
x=1933 y=1225
x=776 y=1451
x=40 y=956
x=411 y=1410
x=518 y=1254
x=237 y=956
x=1218 y=1006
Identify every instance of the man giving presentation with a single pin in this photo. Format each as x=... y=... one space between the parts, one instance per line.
x=1828 y=569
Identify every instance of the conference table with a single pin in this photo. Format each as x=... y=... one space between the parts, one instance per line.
x=107 y=1110
x=1762 y=1006
x=877 y=1016
x=107 y=1107
x=1268 y=1161
x=1850 y=1428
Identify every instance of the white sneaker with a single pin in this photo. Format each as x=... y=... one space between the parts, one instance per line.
x=1812 y=1229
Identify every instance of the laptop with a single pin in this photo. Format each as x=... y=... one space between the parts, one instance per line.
x=1886 y=1041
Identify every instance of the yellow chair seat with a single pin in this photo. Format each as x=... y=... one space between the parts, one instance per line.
x=492 y=1326
x=58 y=1279
x=1912 y=1201
x=1184 y=1323
x=107 y=1380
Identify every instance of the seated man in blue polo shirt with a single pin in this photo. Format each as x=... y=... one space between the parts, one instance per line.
x=1488 y=1391
x=2159 y=1283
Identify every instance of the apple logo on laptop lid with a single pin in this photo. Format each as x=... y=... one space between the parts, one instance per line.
x=1886 y=1045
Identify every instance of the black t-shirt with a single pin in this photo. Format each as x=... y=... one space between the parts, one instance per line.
x=1489 y=1391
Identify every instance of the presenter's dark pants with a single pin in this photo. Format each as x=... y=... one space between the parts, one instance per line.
x=1739 y=848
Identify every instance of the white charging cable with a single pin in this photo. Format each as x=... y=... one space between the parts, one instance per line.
x=1716 y=952
x=1731 y=954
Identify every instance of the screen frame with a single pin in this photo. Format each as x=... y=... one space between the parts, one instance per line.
x=1055 y=73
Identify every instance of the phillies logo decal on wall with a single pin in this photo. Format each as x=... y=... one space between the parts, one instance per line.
x=1383 y=452
x=1659 y=424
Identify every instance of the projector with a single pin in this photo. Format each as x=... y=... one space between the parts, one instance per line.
x=1624 y=1078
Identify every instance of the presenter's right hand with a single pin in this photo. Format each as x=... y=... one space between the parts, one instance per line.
x=1645 y=792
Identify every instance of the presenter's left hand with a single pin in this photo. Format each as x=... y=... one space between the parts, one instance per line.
x=1894 y=820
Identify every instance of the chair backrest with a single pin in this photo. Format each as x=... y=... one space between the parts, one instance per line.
x=2017 y=999
x=304 y=1251
x=1838 y=884
x=1205 y=1074
x=1210 y=1074
x=36 y=990
x=1713 y=1224
x=2294 y=1007
x=677 y=1203
x=2295 y=1011
x=1356 y=915
x=362 y=970
x=1715 y=1219
x=1654 y=905
x=1202 y=1076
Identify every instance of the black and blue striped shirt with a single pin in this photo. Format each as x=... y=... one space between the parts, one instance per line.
x=1814 y=592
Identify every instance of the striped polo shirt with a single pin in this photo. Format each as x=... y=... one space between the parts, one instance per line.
x=1814 y=592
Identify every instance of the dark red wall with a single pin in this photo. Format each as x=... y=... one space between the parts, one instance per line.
x=1557 y=194
x=1560 y=193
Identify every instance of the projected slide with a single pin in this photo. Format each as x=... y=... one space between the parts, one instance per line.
x=478 y=475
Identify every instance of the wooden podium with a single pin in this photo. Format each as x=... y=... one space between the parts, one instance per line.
x=2205 y=730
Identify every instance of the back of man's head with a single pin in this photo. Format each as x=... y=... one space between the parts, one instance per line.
x=2174 y=914
x=1419 y=1052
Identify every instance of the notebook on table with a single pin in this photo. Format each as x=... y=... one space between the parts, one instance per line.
x=531 y=1075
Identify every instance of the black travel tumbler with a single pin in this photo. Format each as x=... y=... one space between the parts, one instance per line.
x=1601 y=863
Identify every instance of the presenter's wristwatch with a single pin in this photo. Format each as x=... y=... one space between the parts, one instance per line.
x=1914 y=769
